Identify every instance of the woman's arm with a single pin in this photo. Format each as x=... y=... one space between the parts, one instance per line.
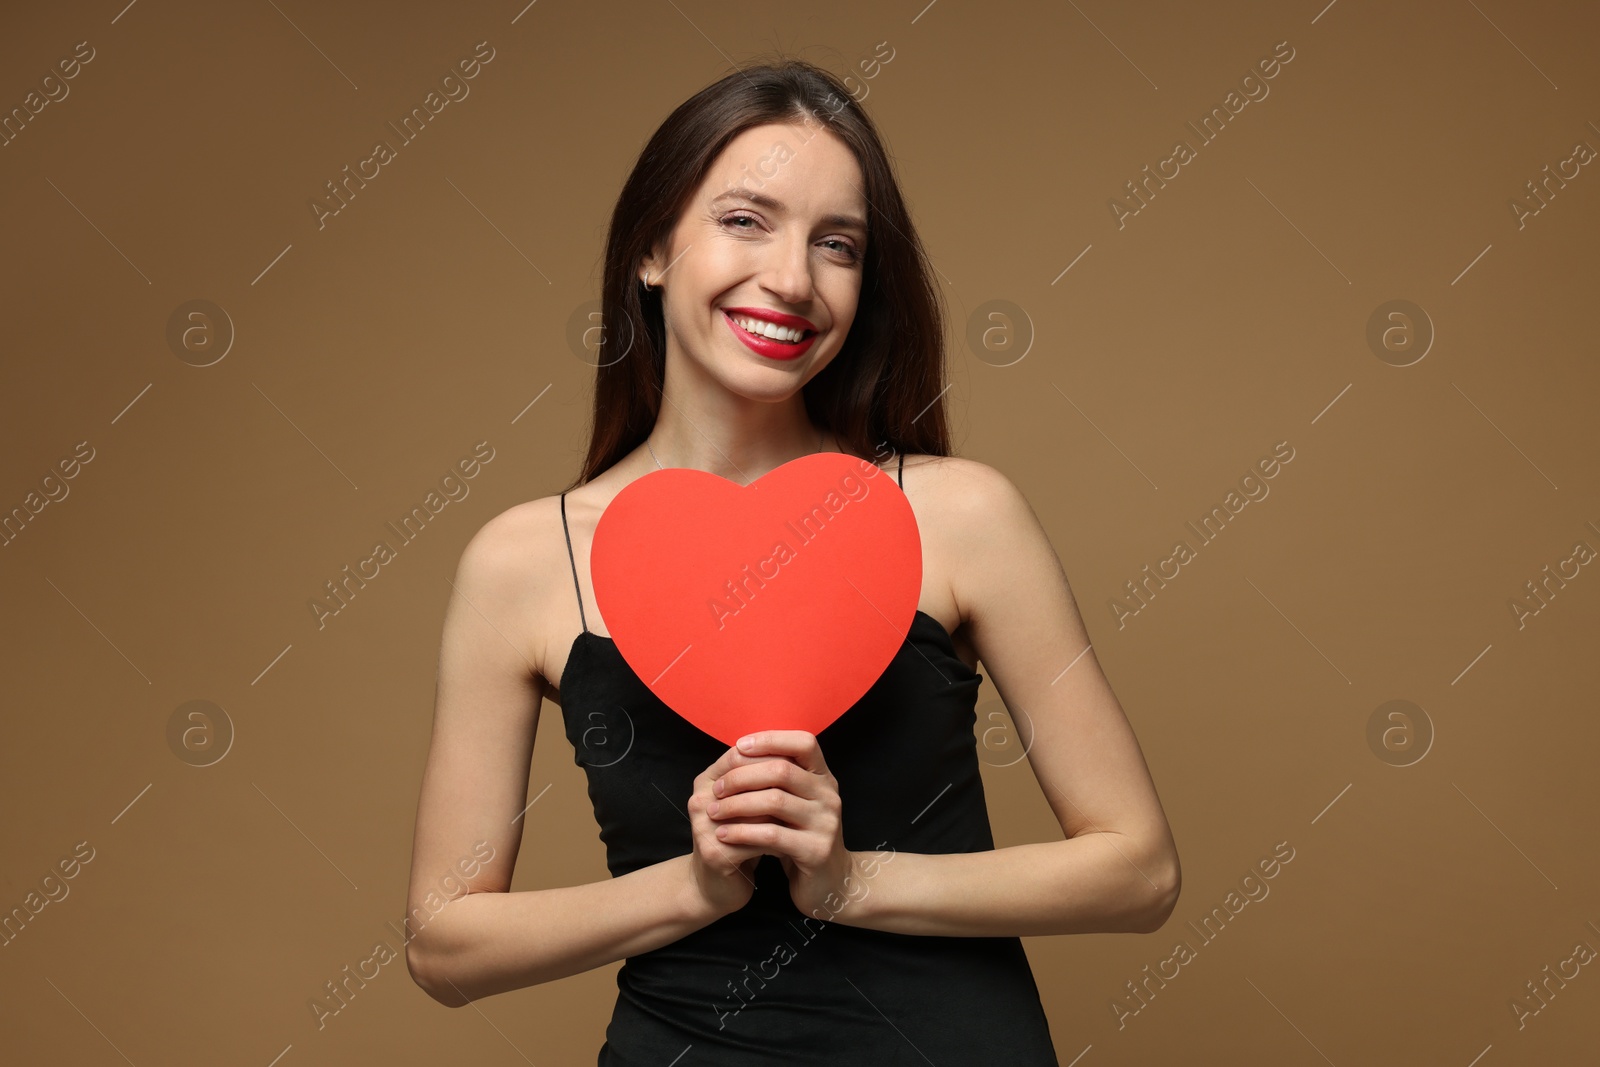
x=1117 y=868
x=474 y=789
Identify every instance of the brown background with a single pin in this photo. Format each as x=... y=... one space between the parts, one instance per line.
x=1230 y=314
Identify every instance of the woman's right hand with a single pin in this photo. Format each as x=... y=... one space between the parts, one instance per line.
x=724 y=874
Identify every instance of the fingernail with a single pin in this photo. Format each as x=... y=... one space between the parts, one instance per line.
x=746 y=743
x=714 y=806
x=718 y=786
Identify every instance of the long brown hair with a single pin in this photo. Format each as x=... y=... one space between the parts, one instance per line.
x=885 y=388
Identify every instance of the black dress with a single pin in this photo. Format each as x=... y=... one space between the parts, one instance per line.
x=767 y=984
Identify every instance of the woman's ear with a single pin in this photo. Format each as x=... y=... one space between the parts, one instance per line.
x=650 y=269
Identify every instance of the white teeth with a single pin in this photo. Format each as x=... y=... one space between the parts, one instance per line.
x=769 y=329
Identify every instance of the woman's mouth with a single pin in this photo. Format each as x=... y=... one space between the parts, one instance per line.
x=783 y=346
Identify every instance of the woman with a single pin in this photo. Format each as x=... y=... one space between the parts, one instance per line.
x=832 y=898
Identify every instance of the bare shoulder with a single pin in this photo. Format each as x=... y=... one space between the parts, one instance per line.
x=974 y=517
x=506 y=571
x=510 y=546
x=970 y=499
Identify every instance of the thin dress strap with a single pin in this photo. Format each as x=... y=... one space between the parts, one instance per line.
x=573 y=560
x=901 y=474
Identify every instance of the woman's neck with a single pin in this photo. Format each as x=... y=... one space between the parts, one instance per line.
x=738 y=454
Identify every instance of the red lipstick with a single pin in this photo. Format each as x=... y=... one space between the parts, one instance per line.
x=767 y=346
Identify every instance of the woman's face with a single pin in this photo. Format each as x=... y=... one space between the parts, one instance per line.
x=777 y=231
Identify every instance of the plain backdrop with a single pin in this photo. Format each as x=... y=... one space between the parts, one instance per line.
x=1126 y=366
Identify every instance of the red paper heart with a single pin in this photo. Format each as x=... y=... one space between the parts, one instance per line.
x=769 y=606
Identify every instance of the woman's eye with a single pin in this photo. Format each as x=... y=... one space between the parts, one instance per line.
x=844 y=248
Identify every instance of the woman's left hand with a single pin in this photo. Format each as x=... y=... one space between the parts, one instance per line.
x=802 y=797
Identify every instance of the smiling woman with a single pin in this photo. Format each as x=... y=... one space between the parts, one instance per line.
x=777 y=301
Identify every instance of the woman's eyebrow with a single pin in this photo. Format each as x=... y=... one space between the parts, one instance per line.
x=763 y=200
